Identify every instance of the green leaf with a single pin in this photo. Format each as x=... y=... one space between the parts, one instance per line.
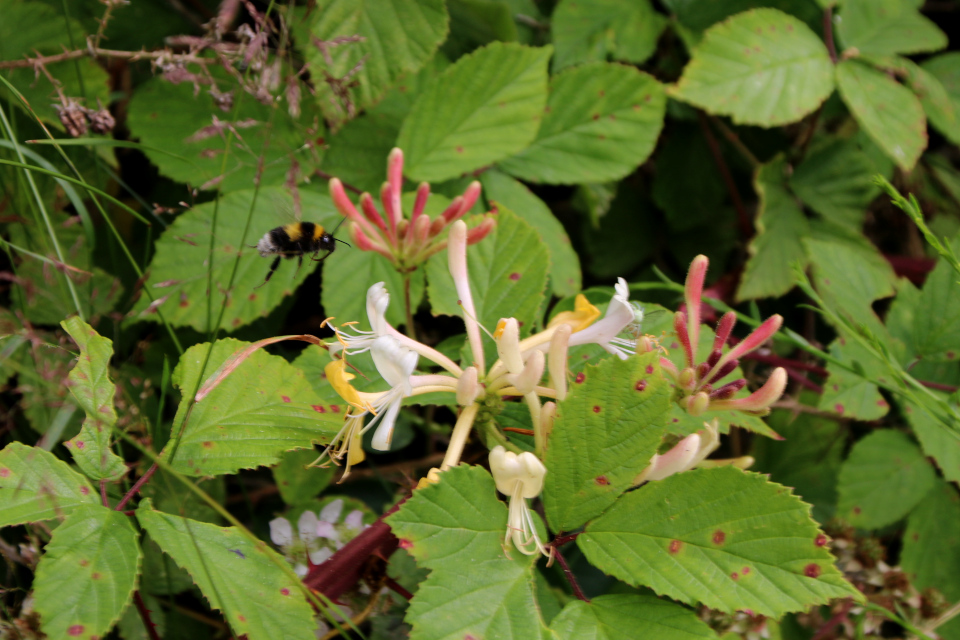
x=808 y=459
x=687 y=187
x=93 y=390
x=396 y=37
x=456 y=523
x=178 y=272
x=613 y=617
x=35 y=486
x=508 y=275
x=171 y=118
x=883 y=479
x=29 y=29
x=848 y=394
x=760 y=67
x=168 y=495
x=723 y=537
x=887 y=27
x=87 y=574
x=700 y=14
x=263 y=408
x=776 y=247
x=347 y=279
x=886 y=110
x=936 y=320
x=501 y=89
x=604 y=435
x=602 y=122
x=836 y=181
x=931 y=543
x=297 y=482
x=474 y=23
x=593 y=30
x=942 y=111
x=501 y=189
x=946 y=69
x=937 y=442
x=238 y=578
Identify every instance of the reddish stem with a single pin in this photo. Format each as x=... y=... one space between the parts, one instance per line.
x=570 y=577
x=397 y=587
x=803 y=380
x=136 y=487
x=743 y=218
x=778 y=361
x=828 y=33
x=949 y=388
x=103 y=493
x=833 y=622
x=148 y=624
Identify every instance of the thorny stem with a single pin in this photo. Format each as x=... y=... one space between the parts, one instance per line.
x=148 y=623
x=743 y=218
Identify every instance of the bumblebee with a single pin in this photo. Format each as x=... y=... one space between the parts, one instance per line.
x=296 y=239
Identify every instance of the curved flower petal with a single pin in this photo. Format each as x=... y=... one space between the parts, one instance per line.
x=281 y=532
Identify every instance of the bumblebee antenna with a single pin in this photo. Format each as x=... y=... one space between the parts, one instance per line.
x=342 y=242
x=342 y=220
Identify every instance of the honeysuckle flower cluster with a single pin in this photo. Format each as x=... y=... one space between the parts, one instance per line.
x=407 y=243
x=695 y=382
x=318 y=535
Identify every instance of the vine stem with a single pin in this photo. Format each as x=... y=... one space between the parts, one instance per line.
x=136 y=487
x=145 y=616
x=96 y=52
x=572 y=579
x=743 y=218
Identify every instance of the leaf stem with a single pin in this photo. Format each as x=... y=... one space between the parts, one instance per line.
x=148 y=623
x=572 y=579
x=828 y=33
x=743 y=218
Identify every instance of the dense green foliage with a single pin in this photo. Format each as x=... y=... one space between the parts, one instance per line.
x=514 y=402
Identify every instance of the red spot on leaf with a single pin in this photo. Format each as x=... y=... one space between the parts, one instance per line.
x=241 y=618
x=459 y=149
x=719 y=537
x=812 y=570
x=580 y=378
x=612 y=117
x=745 y=571
x=284 y=591
x=285 y=398
x=252 y=297
x=596 y=116
x=641 y=385
x=4 y=472
x=85 y=490
x=649 y=368
x=596 y=409
x=602 y=481
x=80 y=444
x=75 y=630
x=675 y=546
x=84 y=562
x=318 y=408
x=951 y=355
x=882 y=403
x=95 y=575
x=735 y=575
x=601 y=93
x=838 y=408
x=857 y=510
x=821 y=540
x=514 y=276
x=405 y=544
x=335 y=408
x=207 y=445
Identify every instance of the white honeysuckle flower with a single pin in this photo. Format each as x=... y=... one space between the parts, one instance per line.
x=520 y=477
x=394 y=362
x=507 y=336
x=281 y=532
x=457 y=264
x=525 y=381
x=620 y=315
x=356 y=341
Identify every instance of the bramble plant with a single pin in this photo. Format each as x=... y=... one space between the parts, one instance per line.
x=648 y=326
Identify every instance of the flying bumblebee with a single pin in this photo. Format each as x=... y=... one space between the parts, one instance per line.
x=296 y=239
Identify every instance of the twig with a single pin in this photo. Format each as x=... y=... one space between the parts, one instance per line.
x=104 y=53
x=570 y=577
x=327 y=176
x=949 y=388
x=746 y=227
x=828 y=33
x=803 y=380
x=786 y=362
x=735 y=140
x=136 y=487
x=103 y=493
x=839 y=618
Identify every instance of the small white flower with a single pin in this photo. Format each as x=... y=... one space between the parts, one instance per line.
x=520 y=477
x=281 y=532
x=620 y=315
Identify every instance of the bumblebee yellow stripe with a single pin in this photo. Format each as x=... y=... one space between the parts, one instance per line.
x=317 y=232
x=293 y=231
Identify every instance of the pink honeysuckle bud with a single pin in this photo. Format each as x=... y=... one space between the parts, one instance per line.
x=342 y=202
x=370 y=211
x=363 y=242
x=721 y=372
x=421 y=230
x=481 y=231
x=667 y=365
x=679 y=458
x=469 y=199
x=753 y=341
x=724 y=327
x=698 y=403
x=395 y=179
x=393 y=215
x=728 y=390
x=449 y=214
x=693 y=293
x=759 y=400
x=680 y=327
x=714 y=357
x=423 y=193
x=688 y=379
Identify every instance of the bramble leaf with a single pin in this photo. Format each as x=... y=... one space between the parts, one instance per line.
x=776 y=247
x=565 y=276
x=723 y=537
x=178 y=272
x=455 y=523
x=239 y=578
x=760 y=67
x=884 y=477
x=592 y=30
x=612 y=617
x=887 y=27
x=602 y=122
x=35 y=486
x=887 y=111
x=501 y=89
x=937 y=442
x=94 y=391
x=390 y=38
x=263 y=408
x=87 y=574
x=604 y=435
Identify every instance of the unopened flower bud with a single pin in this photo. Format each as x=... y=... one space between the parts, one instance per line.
x=526 y=381
x=73 y=118
x=698 y=403
x=728 y=390
x=468 y=387
x=481 y=231
x=548 y=415
x=507 y=337
x=679 y=458
x=688 y=379
x=557 y=363
x=513 y=472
